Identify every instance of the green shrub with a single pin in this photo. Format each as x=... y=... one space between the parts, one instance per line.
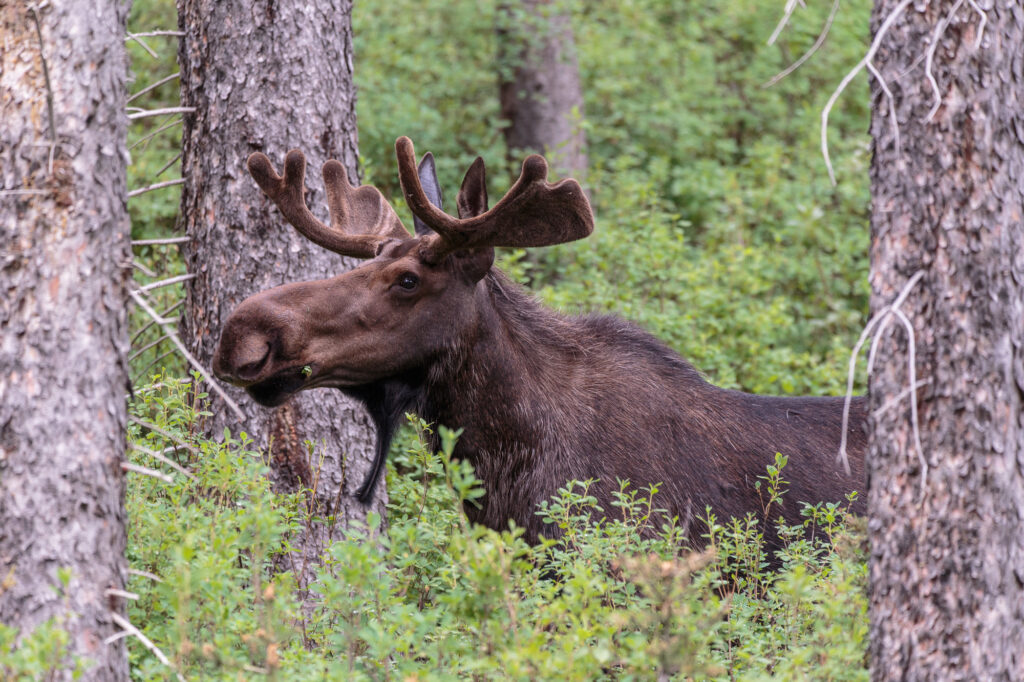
x=431 y=596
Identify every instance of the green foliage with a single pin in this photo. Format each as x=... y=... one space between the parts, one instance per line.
x=37 y=655
x=717 y=230
x=431 y=596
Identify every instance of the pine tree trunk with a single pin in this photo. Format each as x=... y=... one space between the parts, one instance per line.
x=64 y=273
x=947 y=526
x=270 y=77
x=541 y=96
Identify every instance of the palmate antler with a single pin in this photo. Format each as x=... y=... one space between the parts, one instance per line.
x=533 y=212
x=361 y=218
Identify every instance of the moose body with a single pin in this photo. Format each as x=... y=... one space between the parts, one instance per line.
x=429 y=326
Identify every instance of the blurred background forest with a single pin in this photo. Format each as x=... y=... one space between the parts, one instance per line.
x=717 y=230
x=717 y=227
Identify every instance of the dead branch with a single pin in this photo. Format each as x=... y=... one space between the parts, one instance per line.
x=787 y=13
x=940 y=28
x=154 y=86
x=158 y=185
x=137 y=113
x=810 y=51
x=882 y=31
x=145 y=471
x=123 y=623
x=153 y=242
x=170 y=331
x=160 y=457
x=880 y=318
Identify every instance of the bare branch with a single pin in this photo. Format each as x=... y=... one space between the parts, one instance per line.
x=787 y=13
x=150 y=34
x=166 y=434
x=892 y=104
x=882 y=30
x=153 y=242
x=166 y=283
x=152 y=322
x=168 y=165
x=912 y=375
x=898 y=398
x=145 y=574
x=145 y=471
x=143 y=269
x=880 y=317
x=806 y=55
x=159 y=456
x=154 y=86
x=142 y=350
x=123 y=623
x=168 y=328
x=153 y=134
x=138 y=39
x=940 y=28
x=148 y=113
x=111 y=592
x=153 y=362
x=158 y=185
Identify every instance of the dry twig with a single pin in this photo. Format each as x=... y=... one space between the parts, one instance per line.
x=810 y=51
x=157 y=185
x=170 y=331
x=882 y=318
x=879 y=36
x=123 y=623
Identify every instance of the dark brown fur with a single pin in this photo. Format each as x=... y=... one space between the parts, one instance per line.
x=543 y=398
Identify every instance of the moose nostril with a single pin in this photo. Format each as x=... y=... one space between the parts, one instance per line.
x=250 y=370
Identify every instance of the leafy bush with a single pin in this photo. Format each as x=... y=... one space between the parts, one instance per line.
x=430 y=596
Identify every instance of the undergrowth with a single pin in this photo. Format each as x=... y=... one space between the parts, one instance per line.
x=433 y=597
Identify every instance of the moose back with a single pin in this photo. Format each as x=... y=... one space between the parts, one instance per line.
x=428 y=325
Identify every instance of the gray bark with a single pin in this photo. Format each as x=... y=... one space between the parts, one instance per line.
x=541 y=96
x=270 y=77
x=64 y=272
x=947 y=536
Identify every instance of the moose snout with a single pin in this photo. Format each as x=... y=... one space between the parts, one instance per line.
x=241 y=359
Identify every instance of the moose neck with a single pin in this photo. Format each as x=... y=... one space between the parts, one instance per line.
x=499 y=384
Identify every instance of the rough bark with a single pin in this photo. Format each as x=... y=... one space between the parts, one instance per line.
x=541 y=96
x=270 y=77
x=64 y=271
x=947 y=537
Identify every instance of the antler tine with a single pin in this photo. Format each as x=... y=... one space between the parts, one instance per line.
x=361 y=219
x=533 y=212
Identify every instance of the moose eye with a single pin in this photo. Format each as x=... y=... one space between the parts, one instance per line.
x=408 y=281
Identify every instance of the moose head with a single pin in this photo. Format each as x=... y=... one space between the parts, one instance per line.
x=415 y=298
x=415 y=295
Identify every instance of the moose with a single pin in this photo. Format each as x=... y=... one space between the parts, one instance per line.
x=429 y=326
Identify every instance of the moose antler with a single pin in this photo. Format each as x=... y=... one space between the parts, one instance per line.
x=361 y=218
x=534 y=212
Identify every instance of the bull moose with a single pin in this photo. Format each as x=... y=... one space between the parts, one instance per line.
x=428 y=325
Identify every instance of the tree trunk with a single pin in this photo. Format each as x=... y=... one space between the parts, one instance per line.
x=64 y=272
x=540 y=92
x=270 y=77
x=947 y=524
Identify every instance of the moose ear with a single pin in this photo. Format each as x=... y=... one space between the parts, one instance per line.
x=428 y=179
x=472 y=199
